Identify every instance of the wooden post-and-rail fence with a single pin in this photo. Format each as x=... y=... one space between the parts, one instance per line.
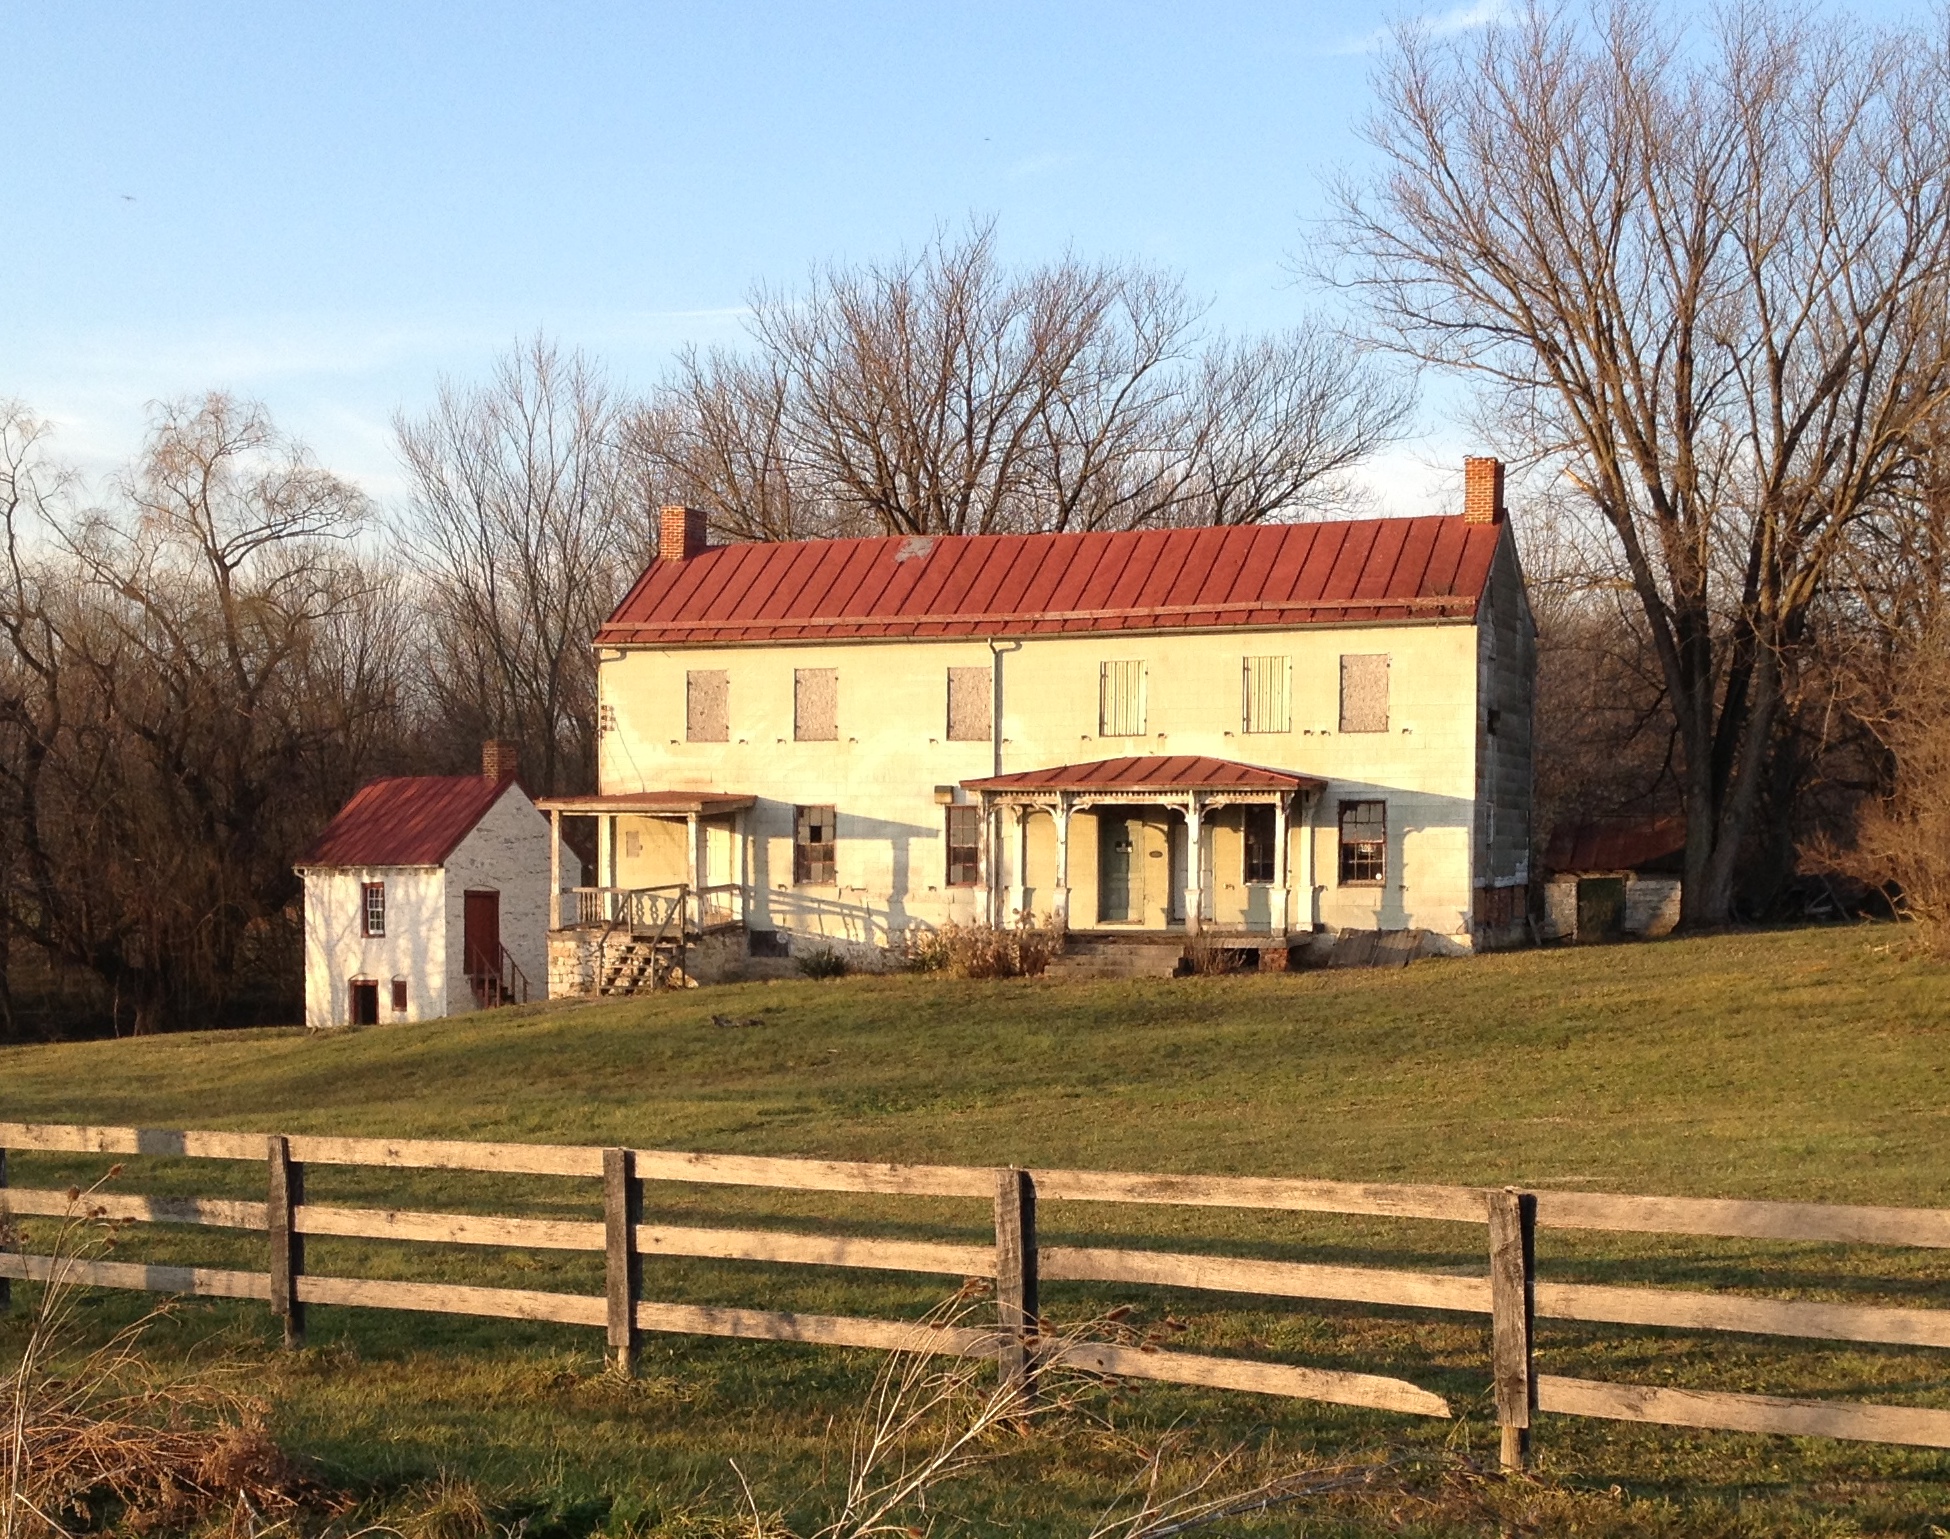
x=1510 y=1292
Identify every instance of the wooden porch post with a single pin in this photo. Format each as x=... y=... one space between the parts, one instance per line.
x=694 y=833
x=1310 y=807
x=1278 y=897
x=554 y=869
x=1059 y=898
x=1195 y=864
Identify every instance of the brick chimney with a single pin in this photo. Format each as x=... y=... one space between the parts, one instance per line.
x=1482 y=490
x=500 y=759
x=680 y=533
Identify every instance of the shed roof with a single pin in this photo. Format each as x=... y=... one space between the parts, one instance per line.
x=1216 y=576
x=1650 y=844
x=1151 y=772
x=410 y=820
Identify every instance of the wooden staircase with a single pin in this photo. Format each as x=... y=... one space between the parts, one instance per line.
x=639 y=964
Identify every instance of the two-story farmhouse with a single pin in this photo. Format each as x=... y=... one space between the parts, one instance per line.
x=1260 y=731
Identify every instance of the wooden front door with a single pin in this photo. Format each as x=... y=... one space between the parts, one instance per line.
x=364 y=1002
x=481 y=943
x=1116 y=857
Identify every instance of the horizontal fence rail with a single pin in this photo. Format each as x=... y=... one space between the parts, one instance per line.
x=1510 y=1293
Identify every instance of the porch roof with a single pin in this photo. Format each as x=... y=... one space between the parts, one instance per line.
x=654 y=803
x=1150 y=772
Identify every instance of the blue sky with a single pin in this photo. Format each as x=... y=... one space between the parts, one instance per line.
x=331 y=208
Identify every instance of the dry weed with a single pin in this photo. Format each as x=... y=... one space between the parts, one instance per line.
x=1023 y=950
x=103 y=1437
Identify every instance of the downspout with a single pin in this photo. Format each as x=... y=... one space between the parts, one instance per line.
x=992 y=814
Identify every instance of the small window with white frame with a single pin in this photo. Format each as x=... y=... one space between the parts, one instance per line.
x=1364 y=844
x=1261 y=846
x=964 y=846
x=372 y=909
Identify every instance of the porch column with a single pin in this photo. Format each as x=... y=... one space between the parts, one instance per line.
x=1017 y=897
x=1194 y=864
x=694 y=864
x=1276 y=899
x=1059 y=898
x=554 y=869
x=1309 y=808
x=610 y=911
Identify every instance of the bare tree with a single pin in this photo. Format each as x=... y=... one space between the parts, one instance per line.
x=944 y=393
x=525 y=527
x=189 y=671
x=1702 y=278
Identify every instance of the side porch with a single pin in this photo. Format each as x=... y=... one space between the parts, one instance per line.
x=669 y=906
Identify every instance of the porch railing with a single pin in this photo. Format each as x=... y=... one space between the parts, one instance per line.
x=647 y=910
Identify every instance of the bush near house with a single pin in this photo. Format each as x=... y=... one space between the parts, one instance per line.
x=1804 y=1064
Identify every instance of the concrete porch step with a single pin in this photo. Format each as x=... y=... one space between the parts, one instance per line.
x=1116 y=957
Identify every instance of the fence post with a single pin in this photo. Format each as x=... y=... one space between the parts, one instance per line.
x=1016 y=1304
x=287 y=1193
x=1513 y=1306
x=623 y=1266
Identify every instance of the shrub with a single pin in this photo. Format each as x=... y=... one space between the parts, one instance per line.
x=1205 y=956
x=825 y=962
x=981 y=951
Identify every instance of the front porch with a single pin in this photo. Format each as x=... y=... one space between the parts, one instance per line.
x=1195 y=846
x=670 y=904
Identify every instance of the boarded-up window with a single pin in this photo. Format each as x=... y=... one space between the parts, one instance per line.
x=707 y=705
x=632 y=845
x=1364 y=843
x=964 y=846
x=399 y=996
x=816 y=704
x=1269 y=694
x=812 y=846
x=1364 y=692
x=970 y=694
x=1120 y=700
x=372 y=908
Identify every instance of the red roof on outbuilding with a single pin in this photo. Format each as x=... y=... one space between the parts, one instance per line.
x=1011 y=584
x=1150 y=772
x=412 y=820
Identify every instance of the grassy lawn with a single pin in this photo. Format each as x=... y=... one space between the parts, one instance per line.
x=1796 y=1065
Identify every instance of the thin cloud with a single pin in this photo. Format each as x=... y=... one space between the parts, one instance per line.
x=1458 y=18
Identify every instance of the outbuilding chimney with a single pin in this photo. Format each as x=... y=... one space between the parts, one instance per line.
x=500 y=759
x=680 y=533
x=1482 y=490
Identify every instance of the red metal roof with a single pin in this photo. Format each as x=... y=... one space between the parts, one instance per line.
x=1651 y=844
x=413 y=820
x=1154 y=772
x=1014 y=584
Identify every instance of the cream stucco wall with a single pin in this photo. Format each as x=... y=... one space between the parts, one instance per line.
x=892 y=752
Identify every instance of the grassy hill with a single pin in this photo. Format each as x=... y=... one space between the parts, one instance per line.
x=1806 y=1064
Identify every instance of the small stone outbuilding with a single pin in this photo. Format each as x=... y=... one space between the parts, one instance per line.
x=428 y=895
x=1611 y=879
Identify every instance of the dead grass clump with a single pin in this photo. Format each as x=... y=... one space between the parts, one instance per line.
x=1208 y=958
x=1023 y=950
x=100 y=1438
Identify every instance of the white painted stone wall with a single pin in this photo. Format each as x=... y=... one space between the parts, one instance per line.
x=893 y=750
x=1651 y=905
x=507 y=851
x=414 y=946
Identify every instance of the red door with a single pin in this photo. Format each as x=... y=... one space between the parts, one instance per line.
x=481 y=944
